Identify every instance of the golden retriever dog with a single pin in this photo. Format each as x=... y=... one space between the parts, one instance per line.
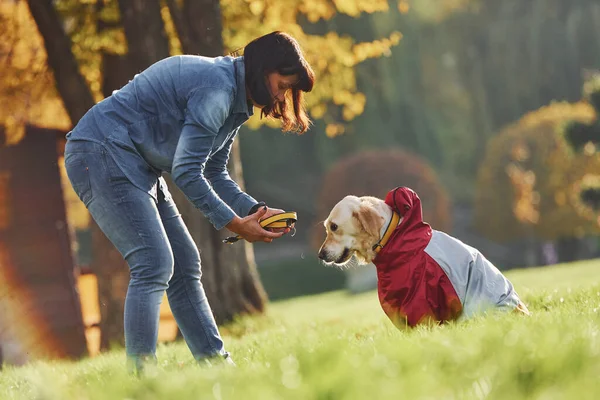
x=423 y=275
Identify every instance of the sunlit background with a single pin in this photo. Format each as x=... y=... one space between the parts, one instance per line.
x=487 y=108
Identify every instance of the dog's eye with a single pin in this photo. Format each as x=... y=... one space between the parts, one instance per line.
x=333 y=227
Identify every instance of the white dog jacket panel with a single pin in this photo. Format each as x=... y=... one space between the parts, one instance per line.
x=477 y=282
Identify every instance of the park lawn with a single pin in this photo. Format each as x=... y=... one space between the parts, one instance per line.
x=341 y=346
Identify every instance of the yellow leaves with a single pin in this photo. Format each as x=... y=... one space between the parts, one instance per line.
x=333 y=130
x=560 y=112
x=560 y=198
x=589 y=149
x=318 y=111
x=89 y=42
x=21 y=57
x=520 y=152
x=27 y=91
x=355 y=106
x=341 y=97
x=256 y=121
x=109 y=12
x=16 y=52
x=257 y=7
x=526 y=199
x=332 y=57
x=316 y=10
x=403 y=6
x=355 y=7
x=377 y=48
x=591 y=86
x=589 y=181
x=438 y=10
x=174 y=42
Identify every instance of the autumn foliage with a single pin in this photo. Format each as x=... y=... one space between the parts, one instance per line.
x=27 y=84
x=584 y=139
x=335 y=99
x=374 y=173
x=530 y=181
x=27 y=91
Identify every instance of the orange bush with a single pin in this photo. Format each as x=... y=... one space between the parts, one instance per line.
x=584 y=140
x=529 y=180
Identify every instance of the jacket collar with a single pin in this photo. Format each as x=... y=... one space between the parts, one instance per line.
x=241 y=104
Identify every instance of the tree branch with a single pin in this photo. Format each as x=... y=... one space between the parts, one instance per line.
x=71 y=84
x=181 y=26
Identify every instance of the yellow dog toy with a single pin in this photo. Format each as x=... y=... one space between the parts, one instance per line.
x=281 y=220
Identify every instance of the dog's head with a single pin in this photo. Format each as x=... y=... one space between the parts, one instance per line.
x=353 y=227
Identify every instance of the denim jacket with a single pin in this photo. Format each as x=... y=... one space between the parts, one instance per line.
x=179 y=116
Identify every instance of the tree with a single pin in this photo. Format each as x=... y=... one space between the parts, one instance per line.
x=27 y=90
x=78 y=98
x=527 y=178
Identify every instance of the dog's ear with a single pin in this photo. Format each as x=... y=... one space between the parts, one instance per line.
x=368 y=218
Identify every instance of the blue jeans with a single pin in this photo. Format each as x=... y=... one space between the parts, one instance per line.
x=158 y=248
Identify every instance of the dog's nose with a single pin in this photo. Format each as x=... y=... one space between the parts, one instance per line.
x=322 y=254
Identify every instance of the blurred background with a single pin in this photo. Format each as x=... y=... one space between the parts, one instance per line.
x=487 y=108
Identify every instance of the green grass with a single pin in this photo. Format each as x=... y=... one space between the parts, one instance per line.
x=337 y=346
x=299 y=276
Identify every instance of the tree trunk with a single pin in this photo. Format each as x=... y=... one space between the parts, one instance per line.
x=147 y=40
x=253 y=295
x=230 y=277
x=229 y=273
x=78 y=99
x=199 y=26
x=71 y=85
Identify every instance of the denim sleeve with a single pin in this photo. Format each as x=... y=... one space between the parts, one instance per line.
x=206 y=112
x=218 y=175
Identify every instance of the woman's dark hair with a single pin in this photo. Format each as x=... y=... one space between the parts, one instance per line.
x=281 y=53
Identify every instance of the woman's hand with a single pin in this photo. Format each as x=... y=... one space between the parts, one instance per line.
x=249 y=227
x=272 y=211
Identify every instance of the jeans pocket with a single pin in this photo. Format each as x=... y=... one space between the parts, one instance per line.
x=79 y=176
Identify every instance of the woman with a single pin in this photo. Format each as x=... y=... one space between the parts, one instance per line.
x=180 y=116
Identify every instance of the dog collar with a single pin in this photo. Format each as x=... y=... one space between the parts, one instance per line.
x=281 y=220
x=388 y=232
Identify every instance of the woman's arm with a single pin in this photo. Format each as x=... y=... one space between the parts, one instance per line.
x=228 y=190
x=207 y=110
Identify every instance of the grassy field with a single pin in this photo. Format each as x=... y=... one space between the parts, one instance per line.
x=336 y=346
